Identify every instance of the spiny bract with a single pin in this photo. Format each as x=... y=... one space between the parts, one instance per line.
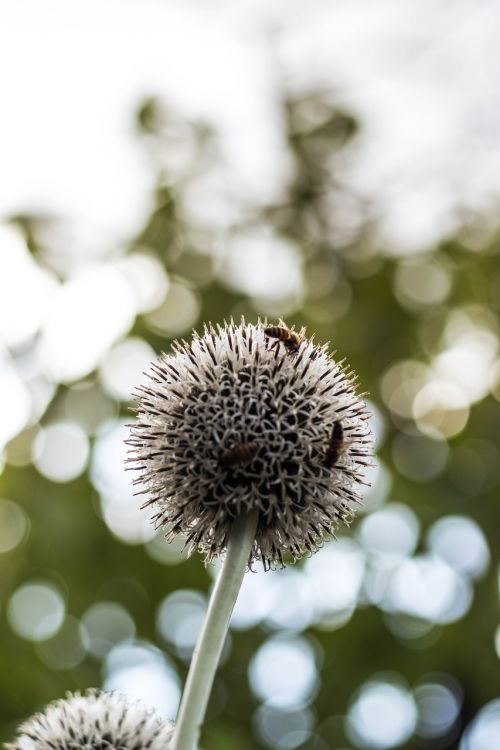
x=94 y=721
x=237 y=420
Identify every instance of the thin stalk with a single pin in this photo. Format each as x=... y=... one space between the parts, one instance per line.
x=208 y=649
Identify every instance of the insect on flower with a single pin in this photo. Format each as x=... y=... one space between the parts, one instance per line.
x=286 y=336
x=335 y=446
x=228 y=424
x=241 y=453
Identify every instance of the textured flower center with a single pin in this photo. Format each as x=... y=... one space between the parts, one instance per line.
x=245 y=409
x=238 y=420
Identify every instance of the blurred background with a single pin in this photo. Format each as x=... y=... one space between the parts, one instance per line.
x=334 y=163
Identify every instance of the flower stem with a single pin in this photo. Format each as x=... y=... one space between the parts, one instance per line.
x=211 y=639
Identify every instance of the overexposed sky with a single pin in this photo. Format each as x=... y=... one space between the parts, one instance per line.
x=424 y=78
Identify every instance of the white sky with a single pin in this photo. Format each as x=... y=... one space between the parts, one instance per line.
x=424 y=77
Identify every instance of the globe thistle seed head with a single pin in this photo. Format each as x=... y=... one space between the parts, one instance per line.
x=94 y=721
x=250 y=416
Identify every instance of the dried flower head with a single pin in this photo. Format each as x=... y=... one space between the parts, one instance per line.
x=94 y=721
x=250 y=416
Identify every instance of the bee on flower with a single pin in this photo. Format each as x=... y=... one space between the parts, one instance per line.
x=248 y=417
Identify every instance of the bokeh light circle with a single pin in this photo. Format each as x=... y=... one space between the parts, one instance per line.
x=148 y=279
x=179 y=619
x=438 y=709
x=177 y=314
x=392 y=531
x=292 y=600
x=283 y=730
x=66 y=649
x=166 y=553
x=461 y=543
x=441 y=409
x=61 y=451
x=26 y=289
x=419 y=458
x=36 y=611
x=383 y=715
x=142 y=672
x=104 y=625
x=334 y=597
x=483 y=733
x=120 y=508
x=426 y=587
x=14 y=525
x=255 y=600
x=17 y=408
x=123 y=367
x=88 y=313
x=271 y=669
x=420 y=282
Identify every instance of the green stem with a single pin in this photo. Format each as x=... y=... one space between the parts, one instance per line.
x=211 y=639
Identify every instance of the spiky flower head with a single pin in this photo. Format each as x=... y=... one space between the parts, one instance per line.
x=94 y=721
x=244 y=417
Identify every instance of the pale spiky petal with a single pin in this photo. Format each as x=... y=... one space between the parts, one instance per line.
x=237 y=420
x=94 y=721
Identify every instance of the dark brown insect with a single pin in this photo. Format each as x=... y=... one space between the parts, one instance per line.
x=289 y=338
x=335 y=447
x=241 y=453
